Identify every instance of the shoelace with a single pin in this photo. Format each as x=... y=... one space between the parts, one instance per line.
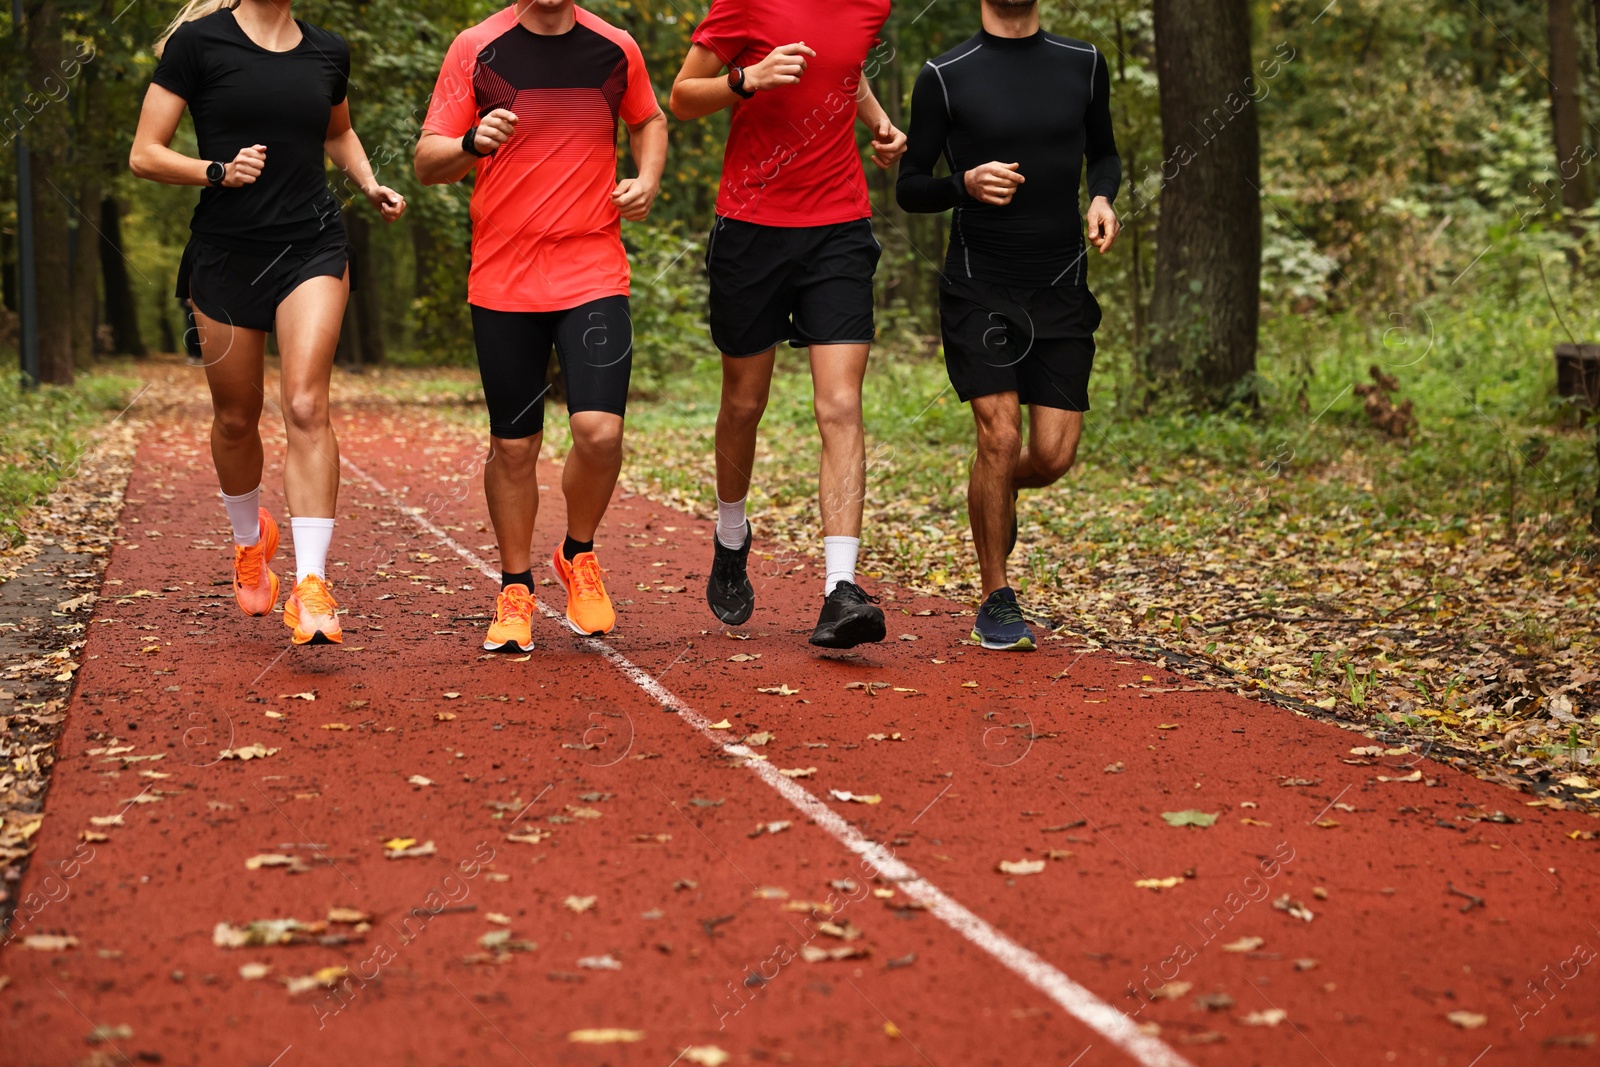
x=247 y=561
x=586 y=582
x=515 y=605
x=854 y=592
x=1004 y=611
x=315 y=597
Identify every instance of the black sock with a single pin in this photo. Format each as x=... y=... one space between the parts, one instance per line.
x=571 y=548
x=524 y=579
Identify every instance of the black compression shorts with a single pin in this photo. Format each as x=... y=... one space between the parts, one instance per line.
x=808 y=285
x=1038 y=343
x=593 y=341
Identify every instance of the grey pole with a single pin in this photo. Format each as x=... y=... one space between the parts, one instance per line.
x=27 y=279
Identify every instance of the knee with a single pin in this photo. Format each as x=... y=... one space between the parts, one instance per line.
x=598 y=438
x=1055 y=463
x=1000 y=441
x=520 y=454
x=236 y=424
x=745 y=409
x=838 y=414
x=307 y=413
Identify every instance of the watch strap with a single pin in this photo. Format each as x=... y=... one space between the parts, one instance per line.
x=469 y=143
x=736 y=82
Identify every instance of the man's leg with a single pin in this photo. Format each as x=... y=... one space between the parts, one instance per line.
x=746 y=384
x=511 y=487
x=836 y=375
x=991 y=483
x=591 y=471
x=1052 y=446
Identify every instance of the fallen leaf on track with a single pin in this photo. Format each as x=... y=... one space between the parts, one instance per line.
x=275 y=859
x=855 y=798
x=252 y=972
x=297 y=696
x=600 y=963
x=797 y=772
x=815 y=954
x=49 y=942
x=418 y=780
x=1159 y=883
x=1020 y=866
x=779 y=691
x=579 y=904
x=1245 y=944
x=424 y=849
x=608 y=1036
x=704 y=1056
x=255 y=751
x=1189 y=817
x=1270 y=1017
x=1414 y=776
x=1467 y=1020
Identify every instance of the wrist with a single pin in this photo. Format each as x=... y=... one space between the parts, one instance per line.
x=738 y=81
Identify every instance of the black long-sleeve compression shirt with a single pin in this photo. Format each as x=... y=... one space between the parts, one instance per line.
x=1042 y=102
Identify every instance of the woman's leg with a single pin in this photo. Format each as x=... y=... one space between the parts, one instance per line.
x=233 y=362
x=308 y=333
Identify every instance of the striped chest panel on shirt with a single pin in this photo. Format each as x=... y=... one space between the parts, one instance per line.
x=566 y=90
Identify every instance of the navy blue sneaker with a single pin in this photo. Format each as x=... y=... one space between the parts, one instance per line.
x=1000 y=624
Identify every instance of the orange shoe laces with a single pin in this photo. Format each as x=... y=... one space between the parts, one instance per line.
x=247 y=563
x=586 y=584
x=315 y=596
x=515 y=604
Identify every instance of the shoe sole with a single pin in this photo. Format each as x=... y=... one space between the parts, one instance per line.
x=318 y=638
x=1024 y=645
x=849 y=632
x=509 y=646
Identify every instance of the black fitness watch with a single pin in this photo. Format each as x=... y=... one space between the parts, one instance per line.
x=736 y=82
x=469 y=143
x=215 y=173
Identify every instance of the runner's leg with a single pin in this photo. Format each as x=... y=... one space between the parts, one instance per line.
x=591 y=471
x=234 y=358
x=308 y=333
x=989 y=485
x=836 y=375
x=1052 y=446
x=746 y=384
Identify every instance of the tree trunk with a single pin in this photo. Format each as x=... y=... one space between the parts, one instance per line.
x=1566 y=111
x=1206 y=301
x=122 y=310
x=47 y=138
x=367 y=296
x=85 y=272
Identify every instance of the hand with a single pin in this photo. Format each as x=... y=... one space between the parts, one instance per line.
x=783 y=66
x=632 y=198
x=888 y=144
x=1103 y=224
x=246 y=167
x=494 y=130
x=390 y=204
x=994 y=183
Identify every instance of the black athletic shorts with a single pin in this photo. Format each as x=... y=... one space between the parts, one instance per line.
x=245 y=288
x=808 y=285
x=1038 y=343
x=593 y=341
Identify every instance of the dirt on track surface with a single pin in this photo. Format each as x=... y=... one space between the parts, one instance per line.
x=631 y=874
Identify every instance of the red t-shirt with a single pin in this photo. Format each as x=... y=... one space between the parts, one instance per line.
x=792 y=158
x=545 y=236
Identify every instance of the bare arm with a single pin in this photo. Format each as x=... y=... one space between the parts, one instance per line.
x=152 y=157
x=633 y=196
x=888 y=143
x=347 y=153
x=440 y=159
x=701 y=89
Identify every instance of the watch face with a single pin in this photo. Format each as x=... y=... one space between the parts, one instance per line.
x=215 y=172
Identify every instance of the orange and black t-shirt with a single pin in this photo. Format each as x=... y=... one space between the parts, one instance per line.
x=545 y=236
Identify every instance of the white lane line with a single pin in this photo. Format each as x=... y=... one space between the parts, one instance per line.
x=1074 y=999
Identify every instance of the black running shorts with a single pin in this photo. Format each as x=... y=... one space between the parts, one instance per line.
x=808 y=285
x=245 y=288
x=593 y=341
x=1038 y=343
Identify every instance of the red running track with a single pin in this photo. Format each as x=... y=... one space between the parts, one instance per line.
x=701 y=923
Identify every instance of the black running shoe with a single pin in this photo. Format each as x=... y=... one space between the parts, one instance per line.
x=1011 y=546
x=1000 y=624
x=848 y=618
x=728 y=590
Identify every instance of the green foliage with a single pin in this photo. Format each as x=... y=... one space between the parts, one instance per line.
x=44 y=434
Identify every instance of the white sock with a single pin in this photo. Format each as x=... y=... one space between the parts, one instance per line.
x=730 y=523
x=244 y=512
x=840 y=553
x=311 y=540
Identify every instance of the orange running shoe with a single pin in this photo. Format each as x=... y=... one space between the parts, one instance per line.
x=312 y=613
x=512 y=629
x=589 y=610
x=255 y=586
